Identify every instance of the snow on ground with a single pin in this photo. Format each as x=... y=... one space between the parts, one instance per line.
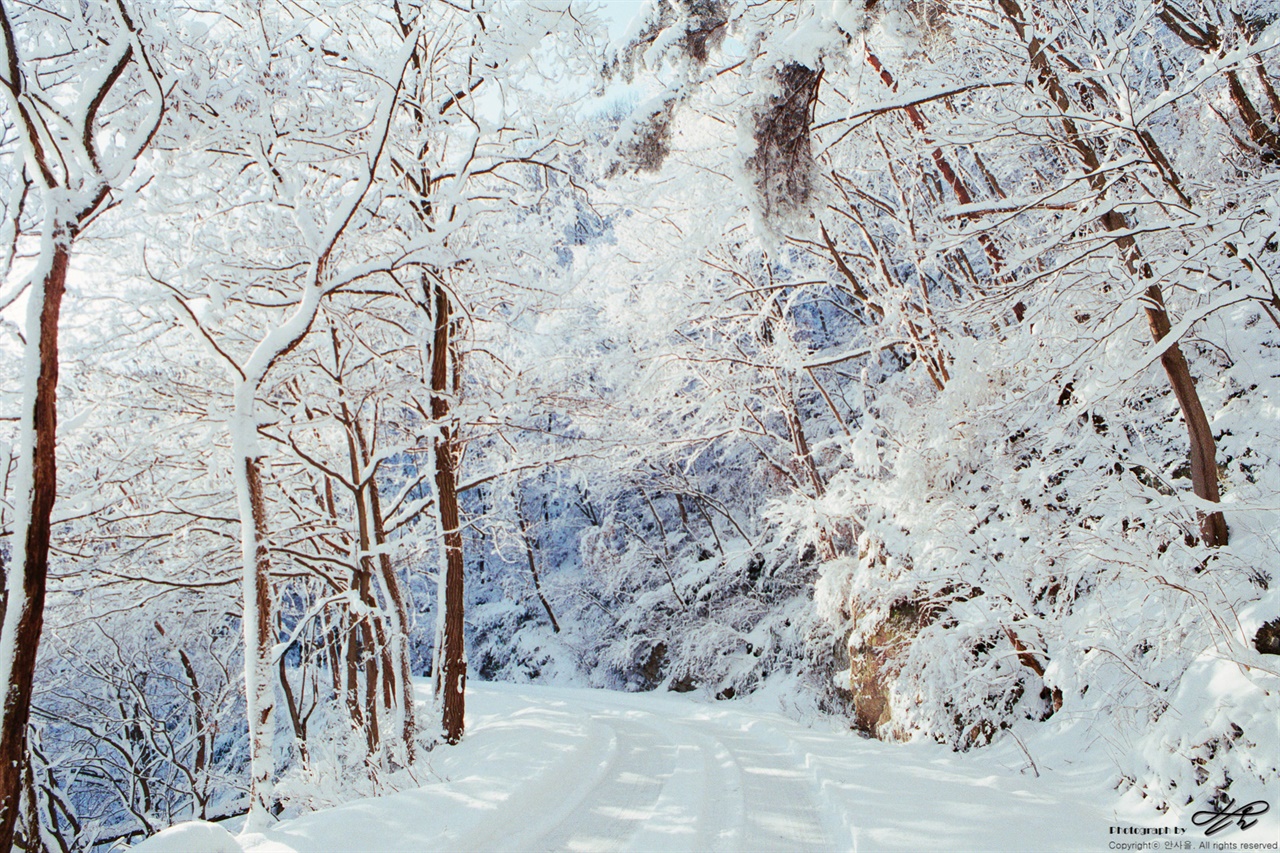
x=546 y=768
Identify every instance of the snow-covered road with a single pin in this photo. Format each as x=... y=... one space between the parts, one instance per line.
x=653 y=777
x=579 y=770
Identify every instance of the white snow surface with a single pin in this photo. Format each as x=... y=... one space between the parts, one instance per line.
x=195 y=836
x=552 y=768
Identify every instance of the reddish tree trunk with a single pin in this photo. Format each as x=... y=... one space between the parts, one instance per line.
x=404 y=673
x=35 y=566
x=453 y=666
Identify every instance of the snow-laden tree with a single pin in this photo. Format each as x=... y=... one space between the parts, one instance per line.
x=312 y=196
x=342 y=324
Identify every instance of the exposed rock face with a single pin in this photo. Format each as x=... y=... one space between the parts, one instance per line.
x=873 y=665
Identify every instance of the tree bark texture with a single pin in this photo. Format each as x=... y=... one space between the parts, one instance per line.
x=399 y=630
x=453 y=669
x=259 y=639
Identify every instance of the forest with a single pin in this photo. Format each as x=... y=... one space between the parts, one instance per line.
x=912 y=364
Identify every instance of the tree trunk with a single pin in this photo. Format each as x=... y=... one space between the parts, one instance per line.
x=200 y=733
x=385 y=668
x=296 y=719
x=258 y=636
x=22 y=610
x=399 y=631
x=453 y=663
x=351 y=682
x=370 y=660
x=1204 y=465
x=393 y=650
x=362 y=650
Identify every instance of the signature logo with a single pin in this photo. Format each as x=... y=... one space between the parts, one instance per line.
x=1217 y=819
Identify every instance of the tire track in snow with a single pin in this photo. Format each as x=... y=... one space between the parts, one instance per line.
x=699 y=806
x=618 y=810
x=688 y=784
x=552 y=795
x=782 y=796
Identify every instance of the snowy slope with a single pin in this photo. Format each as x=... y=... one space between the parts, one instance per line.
x=563 y=769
